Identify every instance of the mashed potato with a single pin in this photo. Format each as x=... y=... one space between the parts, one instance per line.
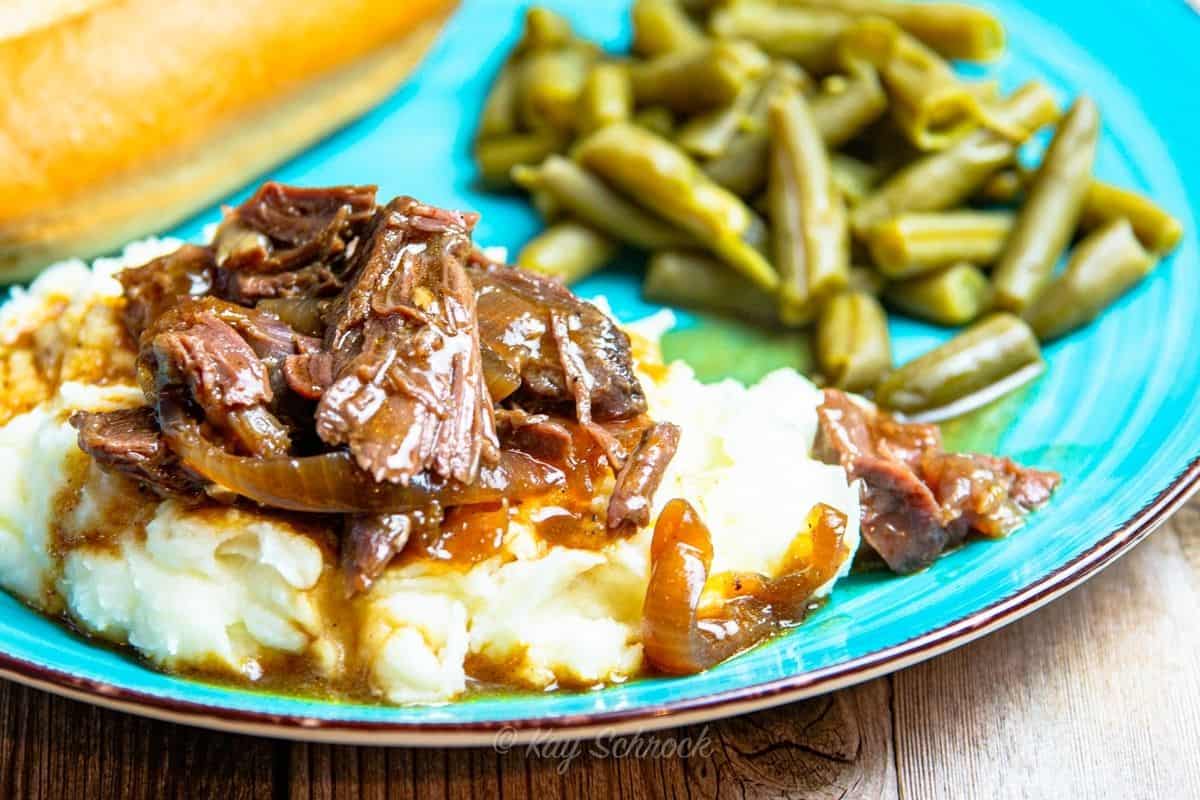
x=245 y=593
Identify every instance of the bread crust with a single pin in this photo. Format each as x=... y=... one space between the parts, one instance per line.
x=128 y=115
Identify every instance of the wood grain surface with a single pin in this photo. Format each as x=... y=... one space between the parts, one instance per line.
x=1095 y=696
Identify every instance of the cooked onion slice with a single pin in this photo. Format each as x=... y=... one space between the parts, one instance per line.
x=678 y=640
x=332 y=483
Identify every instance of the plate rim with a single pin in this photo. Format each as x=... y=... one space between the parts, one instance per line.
x=710 y=707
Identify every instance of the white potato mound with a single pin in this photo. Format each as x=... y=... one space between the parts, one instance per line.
x=234 y=590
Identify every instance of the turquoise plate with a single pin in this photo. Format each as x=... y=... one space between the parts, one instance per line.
x=1117 y=413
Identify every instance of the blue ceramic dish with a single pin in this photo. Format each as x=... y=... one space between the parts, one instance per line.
x=1117 y=413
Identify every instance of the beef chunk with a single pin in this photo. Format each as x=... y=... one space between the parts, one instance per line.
x=309 y=374
x=129 y=441
x=901 y=520
x=638 y=480
x=408 y=392
x=154 y=287
x=917 y=499
x=991 y=495
x=522 y=319
x=225 y=357
x=282 y=228
x=247 y=288
x=371 y=541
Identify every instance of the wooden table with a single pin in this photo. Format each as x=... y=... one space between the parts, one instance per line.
x=1096 y=696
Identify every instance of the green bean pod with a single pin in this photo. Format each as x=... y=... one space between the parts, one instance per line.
x=866 y=279
x=551 y=83
x=499 y=115
x=810 y=237
x=852 y=345
x=709 y=134
x=984 y=355
x=697 y=79
x=607 y=97
x=808 y=36
x=657 y=120
x=544 y=30
x=942 y=180
x=846 y=107
x=591 y=201
x=567 y=251
x=695 y=280
x=931 y=106
x=661 y=26
x=1105 y=265
x=916 y=243
x=665 y=180
x=742 y=168
x=498 y=155
x=954 y=30
x=853 y=178
x=1158 y=231
x=1050 y=215
x=953 y=296
x=1155 y=227
x=1003 y=188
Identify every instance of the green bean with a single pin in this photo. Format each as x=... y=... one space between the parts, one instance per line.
x=551 y=83
x=942 y=180
x=499 y=115
x=661 y=26
x=853 y=349
x=1106 y=264
x=852 y=177
x=497 y=156
x=952 y=296
x=916 y=243
x=807 y=36
x=996 y=353
x=709 y=134
x=607 y=97
x=546 y=205
x=567 y=251
x=544 y=30
x=697 y=79
x=810 y=237
x=1005 y=187
x=742 y=168
x=1158 y=231
x=656 y=119
x=846 y=107
x=665 y=180
x=866 y=279
x=1048 y=218
x=592 y=202
x=695 y=280
x=955 y=31
x=931 y=106
x=1154 y=226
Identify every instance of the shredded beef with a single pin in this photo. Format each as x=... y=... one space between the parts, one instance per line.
x=371 y=541
x=408 y=392
x=129 y=442
x=633 y=495
x=917 y=500
x=154 y=287
x=230 y=360
x=282 y=228
x=518 y=316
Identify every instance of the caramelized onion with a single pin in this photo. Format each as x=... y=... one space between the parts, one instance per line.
x=333 y=483
x=304 y=314
x=678 y=640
